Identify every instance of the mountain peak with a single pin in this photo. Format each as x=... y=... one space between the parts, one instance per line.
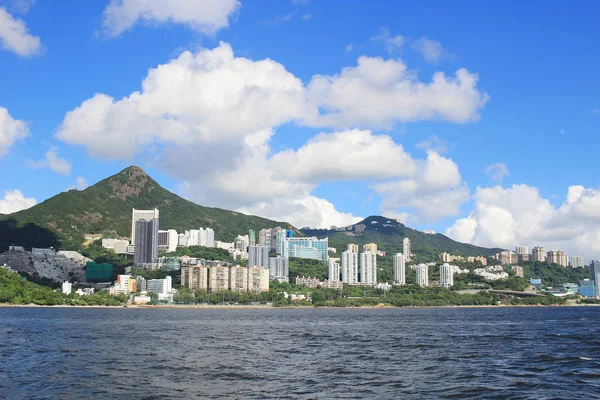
x=130 y=182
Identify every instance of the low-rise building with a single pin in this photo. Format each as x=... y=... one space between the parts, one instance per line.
x=67 y=287
x=518 y=271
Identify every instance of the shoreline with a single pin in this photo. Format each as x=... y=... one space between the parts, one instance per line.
x=219 y=306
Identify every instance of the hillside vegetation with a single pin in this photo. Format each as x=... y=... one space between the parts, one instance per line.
x=105 y=207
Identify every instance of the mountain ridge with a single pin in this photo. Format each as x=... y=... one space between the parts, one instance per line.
x=389 y=233
x=106 y=208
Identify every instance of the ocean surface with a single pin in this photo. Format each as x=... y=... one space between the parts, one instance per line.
x=483 y=353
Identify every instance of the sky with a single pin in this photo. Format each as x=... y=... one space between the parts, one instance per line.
x=475 y=119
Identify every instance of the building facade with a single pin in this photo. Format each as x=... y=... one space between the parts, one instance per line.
x=258 y=279
x=353 y=248
x=350 y=267
x=279 y=269
x=595 y=275
x=145 y=215
x=399 y=269
x=334 y=270
x=218 y=278
x=406 y=249
x=422 y=275
x=518 y=271
x=557 y=257
x=194 y=277
x=258 y=256
x=238 y=279
x=368 y=268
x=446 y=275
x=370 y=247
x=538 y=254
x=577 y=262
x=146 y=241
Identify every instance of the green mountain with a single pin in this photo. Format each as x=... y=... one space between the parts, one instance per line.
x=63 y=220
x=389 y=233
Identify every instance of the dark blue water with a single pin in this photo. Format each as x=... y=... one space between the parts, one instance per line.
x=524 y=353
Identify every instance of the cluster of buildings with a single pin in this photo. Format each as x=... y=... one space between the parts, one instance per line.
x=315 y=282
x=538 y=254
x=216 y=278
x=448 y=258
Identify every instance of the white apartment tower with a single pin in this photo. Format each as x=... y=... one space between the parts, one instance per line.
x=368 y=268
x=446 y=275
x=334 y=270
x=399 y=269
x=350 y=267
x=406 y=249
x=422 y=275
x=577 y=261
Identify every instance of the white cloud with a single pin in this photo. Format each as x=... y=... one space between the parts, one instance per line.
x=205 y=16
x=207 y=97
x=349 y=47
x=378 y=93
x=52 y=161
x=348 y=155
x=519 y=215
x=211 y=115
x=435 y=191
x=497 y=171
x=11 y=130
x=431 y=50
x=561 y=131
x=14 y=201
x=15 y=37
x=391 y=43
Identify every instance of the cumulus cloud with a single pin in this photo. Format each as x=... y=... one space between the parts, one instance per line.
x=54 y=162
x=11 y=130
x=519 y=215
x=497 y=171
x=15 y=37
x=14 y=201
x=347 y=155
x=210 y=96
x=431 y=50
x=205 y=16
x=435 y=191
x=378 y=93
x=211 y=115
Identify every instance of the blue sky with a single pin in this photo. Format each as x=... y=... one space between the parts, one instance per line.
x=532 y=113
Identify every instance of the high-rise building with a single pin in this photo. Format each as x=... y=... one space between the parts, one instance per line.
x=353 y=248
x=508 y=257
x=146 y=241
x=518 y=271
x=241 y=243
x=264 y=238
x=334 y=270
x=238 y=279
x=125 y=285
x=538 y=254
x=137 y=215
x=446 y=275
x=194 y=277
x=279 y=269
x=595 y=275
x=522 y=250
x=182 y=240
x=399 y=269
x=406 y=249
x=192 y=237
x=368 y=268
x=350 y=267
x=206 y=237
x=577 y=261
x=370 y=247
x=168 y=240
x=218 y=278
x=305 y=247
x=252 y=237
x=140 y=283
x=258 y=256
x=422 y=275
x=557 y=257
x=258 y=279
